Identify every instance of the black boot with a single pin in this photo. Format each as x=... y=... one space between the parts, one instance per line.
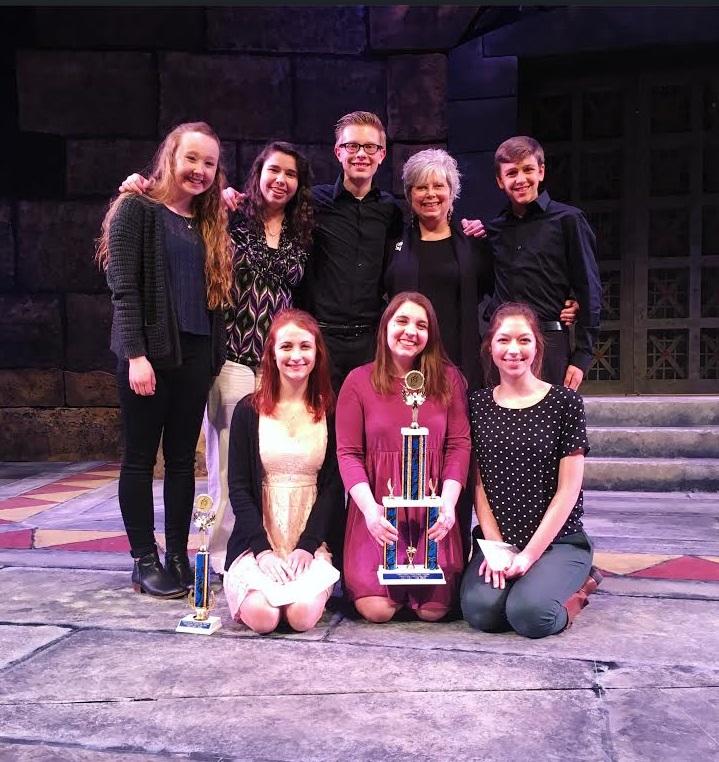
x=149 y=577
x=178 y=567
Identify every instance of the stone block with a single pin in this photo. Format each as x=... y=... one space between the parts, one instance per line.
x=400 y=153
x=481 y=125
x=89 y=319
x=30 y=387
x=20 y=642
x=328 y=89
x=93 y=388
x=59 y=434
x=416 y=97
x=7 y=248
x=404 y=27
x=96 y=167
x=242 y=97
x=81 y=92
x=330 y=29
x=56 y=245
x=30 y=332
x=576 y=29
x=471 y=75
x=481 y=198
x=176 y=28
x=38 y=166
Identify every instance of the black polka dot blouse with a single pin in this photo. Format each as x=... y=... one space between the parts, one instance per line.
x=518 y=452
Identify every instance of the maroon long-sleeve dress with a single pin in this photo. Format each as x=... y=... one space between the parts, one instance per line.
x=369 y=446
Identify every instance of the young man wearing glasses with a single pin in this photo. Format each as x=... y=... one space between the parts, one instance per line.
x=356 y=227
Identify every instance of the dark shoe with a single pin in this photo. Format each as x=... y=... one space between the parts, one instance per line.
x=592 y=582
x=178 y=567
x=149 y=577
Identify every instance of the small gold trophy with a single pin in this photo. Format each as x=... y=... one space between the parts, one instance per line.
x=201 y=598
x=413 y=495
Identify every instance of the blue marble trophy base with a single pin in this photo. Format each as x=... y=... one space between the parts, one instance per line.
x=404 y=574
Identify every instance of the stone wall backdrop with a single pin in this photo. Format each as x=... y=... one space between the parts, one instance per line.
x=88 y=92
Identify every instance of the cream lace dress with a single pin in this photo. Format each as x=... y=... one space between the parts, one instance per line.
x=292 y=455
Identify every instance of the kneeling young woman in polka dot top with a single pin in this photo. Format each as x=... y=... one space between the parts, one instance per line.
x=529 y=439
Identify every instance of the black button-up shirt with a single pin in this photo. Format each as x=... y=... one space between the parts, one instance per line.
x=545 y=257
x=343 y=281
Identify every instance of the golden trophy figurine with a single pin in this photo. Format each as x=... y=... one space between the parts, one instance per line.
x=201 y=598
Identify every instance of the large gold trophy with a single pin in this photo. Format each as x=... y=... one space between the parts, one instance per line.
x=414 y=495
x=201 y=598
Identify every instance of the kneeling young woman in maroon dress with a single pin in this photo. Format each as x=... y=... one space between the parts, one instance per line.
x=529 y=438
x=370 y=414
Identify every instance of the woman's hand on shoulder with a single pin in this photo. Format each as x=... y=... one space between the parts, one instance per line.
x=275 y=568
x=299 y=561
x=232 y=198
x=378 y=526
x=136 y=183
x=141 y=376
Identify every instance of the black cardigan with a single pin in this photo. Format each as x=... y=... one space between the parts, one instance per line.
x=476 y=280
x=144 y=320
x=245 y=483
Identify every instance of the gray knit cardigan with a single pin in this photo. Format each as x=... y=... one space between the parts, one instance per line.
x=144 y=320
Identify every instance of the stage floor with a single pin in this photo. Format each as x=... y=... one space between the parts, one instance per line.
x=90 y=670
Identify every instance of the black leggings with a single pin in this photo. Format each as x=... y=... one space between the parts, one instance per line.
x=174 y=412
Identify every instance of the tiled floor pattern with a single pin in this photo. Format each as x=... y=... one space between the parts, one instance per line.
x=25 y=514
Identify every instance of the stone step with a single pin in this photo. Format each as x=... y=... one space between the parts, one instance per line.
x=652 y=474
x=658 y=441
x=664 y=410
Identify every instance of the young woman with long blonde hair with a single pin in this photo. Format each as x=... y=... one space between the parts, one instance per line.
x=167 y=259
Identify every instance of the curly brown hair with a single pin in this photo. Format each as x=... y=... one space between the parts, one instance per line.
x=298 y=211
x=208 y=209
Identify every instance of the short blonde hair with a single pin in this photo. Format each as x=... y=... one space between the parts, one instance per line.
x=422 y=164
x=361 y=118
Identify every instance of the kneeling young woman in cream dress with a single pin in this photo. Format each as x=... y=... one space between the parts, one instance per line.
x=284 y=483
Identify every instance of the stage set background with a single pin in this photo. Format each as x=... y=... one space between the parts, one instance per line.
x=625 y=100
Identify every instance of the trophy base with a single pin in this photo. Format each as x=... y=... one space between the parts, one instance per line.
x=404 y=574
x=194 y=626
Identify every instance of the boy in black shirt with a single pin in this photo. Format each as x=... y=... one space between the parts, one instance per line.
x=543 y=251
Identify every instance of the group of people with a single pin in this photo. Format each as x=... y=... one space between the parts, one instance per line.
x=301 y=405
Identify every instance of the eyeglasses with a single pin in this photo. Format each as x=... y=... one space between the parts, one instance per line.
x=369 y=148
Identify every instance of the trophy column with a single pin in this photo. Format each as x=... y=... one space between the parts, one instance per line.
x=413 y=495
x=201 y=598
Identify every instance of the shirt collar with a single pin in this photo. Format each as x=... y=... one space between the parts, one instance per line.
x=540 y=204
x=339 y=189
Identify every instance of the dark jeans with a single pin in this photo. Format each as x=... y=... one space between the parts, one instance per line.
x=532 y=605
x=174 y=412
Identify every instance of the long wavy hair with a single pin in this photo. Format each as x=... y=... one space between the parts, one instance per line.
x=208 y=209
x=432 y=361
x=298 y=212
x=511 y=309
x=319 y=396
